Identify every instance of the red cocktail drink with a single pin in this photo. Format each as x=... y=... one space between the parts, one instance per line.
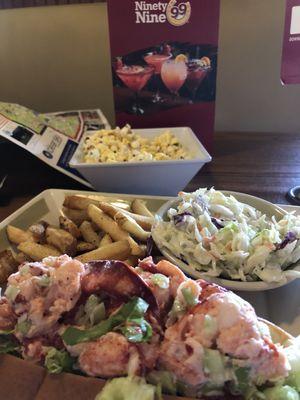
x=135 y=77
x=197 y=71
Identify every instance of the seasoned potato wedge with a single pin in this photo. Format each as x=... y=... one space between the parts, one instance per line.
x=17 y=235
x=79 y=202
x=83 y=247
x=108 y=225
x=38 y=251
x=89 y=234
x=61 y=240
x=77 y=216
x=38 y=231
x=69 y=226
x=139 y=206
x=111 y=210
x=115 y=251
x=129 y=225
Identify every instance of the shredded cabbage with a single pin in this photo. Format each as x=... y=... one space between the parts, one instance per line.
x=220 y=236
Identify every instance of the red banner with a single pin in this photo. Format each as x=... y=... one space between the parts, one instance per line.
x=290 y=71
x=164 y=63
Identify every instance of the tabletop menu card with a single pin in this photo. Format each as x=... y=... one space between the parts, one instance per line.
x=164 y=63
x=51 y=137
x=290 y=71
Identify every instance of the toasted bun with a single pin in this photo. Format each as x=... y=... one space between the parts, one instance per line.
x=278 y=335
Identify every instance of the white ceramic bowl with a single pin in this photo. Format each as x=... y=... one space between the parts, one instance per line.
x=262 y=205
x=165 y=178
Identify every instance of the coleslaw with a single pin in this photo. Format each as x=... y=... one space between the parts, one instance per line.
x=222 y=237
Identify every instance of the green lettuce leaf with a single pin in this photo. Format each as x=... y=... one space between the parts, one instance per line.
x=129 y=388
x=129 y=315
x=57 y=361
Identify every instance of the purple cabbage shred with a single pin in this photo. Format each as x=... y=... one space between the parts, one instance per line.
x=289 y=238
x=217 y=223
x=180 y=218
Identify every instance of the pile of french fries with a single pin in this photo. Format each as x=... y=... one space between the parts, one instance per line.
x=88 y=230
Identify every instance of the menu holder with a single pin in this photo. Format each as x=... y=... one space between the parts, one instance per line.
x=164 y=75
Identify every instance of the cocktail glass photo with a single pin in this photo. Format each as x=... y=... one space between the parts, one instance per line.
x=173 y=75
x=135 y=77
x=156 y=61
x=197 y=71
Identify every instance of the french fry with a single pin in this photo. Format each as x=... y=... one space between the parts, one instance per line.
x=38 y=231
x=108 y=208
x=62 y=240
x=38 y=251
x=8 y=265
x=83 y=247
x=111 y=210
x=105 y=240
x=139 y=206
x=17 y=235
x=79 y=202
x=145 y=222
x=88 y=233
x=108 y=225
x=77 y=216
x=115 y=251
x=69 y=226
x=129 y=224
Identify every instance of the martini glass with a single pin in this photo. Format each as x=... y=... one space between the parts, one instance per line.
x=197 y=71
x=135 y=77
x=173 y=75
x=156 y=61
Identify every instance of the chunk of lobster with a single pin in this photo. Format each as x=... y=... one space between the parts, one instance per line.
x=116 y=279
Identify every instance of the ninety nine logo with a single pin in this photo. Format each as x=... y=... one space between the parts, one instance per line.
x=172 y=11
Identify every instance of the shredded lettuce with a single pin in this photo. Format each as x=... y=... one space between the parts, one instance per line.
x=129 y=319
x=11 y=293
x=242 y=385
x=23 y=327
x=160 y=280
x=44 y=281
x=214 y=366
x=189 y=296
x=165 y=379
x=293 y=355
x=91 y=313
x=210 y=326
x=129 y=388
x=8 y=345
x=57 y=361
x=281 y=393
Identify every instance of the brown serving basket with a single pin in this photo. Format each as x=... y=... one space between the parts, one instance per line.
x=20 y=379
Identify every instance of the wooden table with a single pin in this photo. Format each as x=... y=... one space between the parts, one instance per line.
x=264 y=165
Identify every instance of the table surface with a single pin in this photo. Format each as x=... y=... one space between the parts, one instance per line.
x=262 y=164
